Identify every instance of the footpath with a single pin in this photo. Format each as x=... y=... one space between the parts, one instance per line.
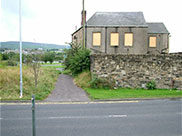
x=66 y=91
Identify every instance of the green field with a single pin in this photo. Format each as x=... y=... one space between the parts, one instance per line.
x=102 y=94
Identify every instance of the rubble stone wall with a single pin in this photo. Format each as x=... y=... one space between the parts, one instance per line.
x=135 y=71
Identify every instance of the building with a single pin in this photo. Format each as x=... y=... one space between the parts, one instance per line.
x=122 y=33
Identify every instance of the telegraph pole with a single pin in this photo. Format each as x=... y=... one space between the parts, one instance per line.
x=21 y=77
x=83 y=23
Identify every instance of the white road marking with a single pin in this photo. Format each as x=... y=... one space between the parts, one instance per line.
x=70 y=117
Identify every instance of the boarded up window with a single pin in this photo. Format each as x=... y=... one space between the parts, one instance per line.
x=152 y=41
x=96 y=39
x=128 y=39
x=114 y=39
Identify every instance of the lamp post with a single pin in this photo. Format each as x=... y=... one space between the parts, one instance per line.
x=21 y=77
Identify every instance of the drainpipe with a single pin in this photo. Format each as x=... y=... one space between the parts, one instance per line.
x=106 y=40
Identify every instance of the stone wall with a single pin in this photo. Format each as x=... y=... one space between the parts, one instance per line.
x=134 y=71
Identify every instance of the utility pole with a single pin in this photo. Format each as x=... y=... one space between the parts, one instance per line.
x=21 y=77
x=84 y=23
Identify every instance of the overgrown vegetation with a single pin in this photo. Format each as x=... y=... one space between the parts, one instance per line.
x=9 y=89
x=77 y=59
x=101 y=83
x=83 y=79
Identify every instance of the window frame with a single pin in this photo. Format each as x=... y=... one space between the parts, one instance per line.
x=93 y=39
x=155 y=41
x=111 y=40
x=132 y=39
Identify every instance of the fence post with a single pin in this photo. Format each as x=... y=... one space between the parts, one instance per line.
x=33 y=116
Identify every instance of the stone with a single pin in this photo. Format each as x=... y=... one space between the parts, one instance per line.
x=136 y=70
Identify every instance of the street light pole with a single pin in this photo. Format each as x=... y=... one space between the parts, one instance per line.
x=21 y=77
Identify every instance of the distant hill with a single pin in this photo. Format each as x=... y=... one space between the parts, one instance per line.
x=12 y=45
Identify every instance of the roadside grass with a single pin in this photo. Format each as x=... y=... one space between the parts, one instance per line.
x=66 y=72
x=83 y=80
x=123 y=93
x=9 y=80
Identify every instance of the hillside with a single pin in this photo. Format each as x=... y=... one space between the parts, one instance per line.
x=12 y=45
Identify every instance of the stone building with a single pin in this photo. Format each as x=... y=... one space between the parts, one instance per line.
x=122 y=33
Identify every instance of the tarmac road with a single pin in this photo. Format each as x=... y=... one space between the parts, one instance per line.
x=135 y=118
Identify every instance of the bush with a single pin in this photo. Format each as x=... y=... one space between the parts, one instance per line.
x=77 y=59
x=11 y=63
x=101 y=83
x=151 y=85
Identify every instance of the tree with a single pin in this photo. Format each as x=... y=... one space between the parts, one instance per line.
x=48 y=56
x=33 y=61
x=5 y=56
x=1 y=56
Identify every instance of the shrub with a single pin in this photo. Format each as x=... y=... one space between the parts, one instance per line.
x=77 y=59
x=101 y=83
x=11 y=63
x=151 y=85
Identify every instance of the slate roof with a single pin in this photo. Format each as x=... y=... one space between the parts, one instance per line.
x=157 y=28
x=120 y=19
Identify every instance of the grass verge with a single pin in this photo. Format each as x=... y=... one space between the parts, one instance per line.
x=102 y=94
x=82 y=80
x=9 y=80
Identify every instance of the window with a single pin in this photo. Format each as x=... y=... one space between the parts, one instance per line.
x=114 y=39
x=128 y=39
x=152 y=41
x=96 y=39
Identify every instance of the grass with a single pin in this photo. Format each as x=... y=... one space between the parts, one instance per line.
x=82 y=80
x=9 y=80
x=132 y=93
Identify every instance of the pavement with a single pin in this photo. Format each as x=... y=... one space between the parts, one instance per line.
x=66 y=91
x=111 y=118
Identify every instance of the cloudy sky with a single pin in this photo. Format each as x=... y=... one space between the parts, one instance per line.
x=53 y=21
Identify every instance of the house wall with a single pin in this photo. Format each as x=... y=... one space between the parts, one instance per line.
x=140 y=41
x=89 y=39
x=77 y=37
x=139 y=45
x=135 y=71
x=162 y=43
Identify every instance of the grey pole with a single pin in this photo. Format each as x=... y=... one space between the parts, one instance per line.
x=83 y=24
x=33 y=116
x=21 y=77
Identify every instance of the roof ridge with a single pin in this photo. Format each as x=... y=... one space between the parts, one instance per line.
x=118 y=12
x=154 y=22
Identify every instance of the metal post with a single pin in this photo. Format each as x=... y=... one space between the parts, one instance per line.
x=21 y=78
x=33 y=116
x=83 y=24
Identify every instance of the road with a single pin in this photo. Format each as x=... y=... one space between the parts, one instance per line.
x=142 y=118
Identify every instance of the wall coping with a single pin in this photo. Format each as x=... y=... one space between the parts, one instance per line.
x=152 y=55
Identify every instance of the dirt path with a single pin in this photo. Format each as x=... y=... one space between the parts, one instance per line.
x=65 y=90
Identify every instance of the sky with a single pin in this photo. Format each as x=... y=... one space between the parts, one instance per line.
x=53 y=21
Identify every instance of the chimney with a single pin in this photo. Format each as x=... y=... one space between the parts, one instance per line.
x=83 y=18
